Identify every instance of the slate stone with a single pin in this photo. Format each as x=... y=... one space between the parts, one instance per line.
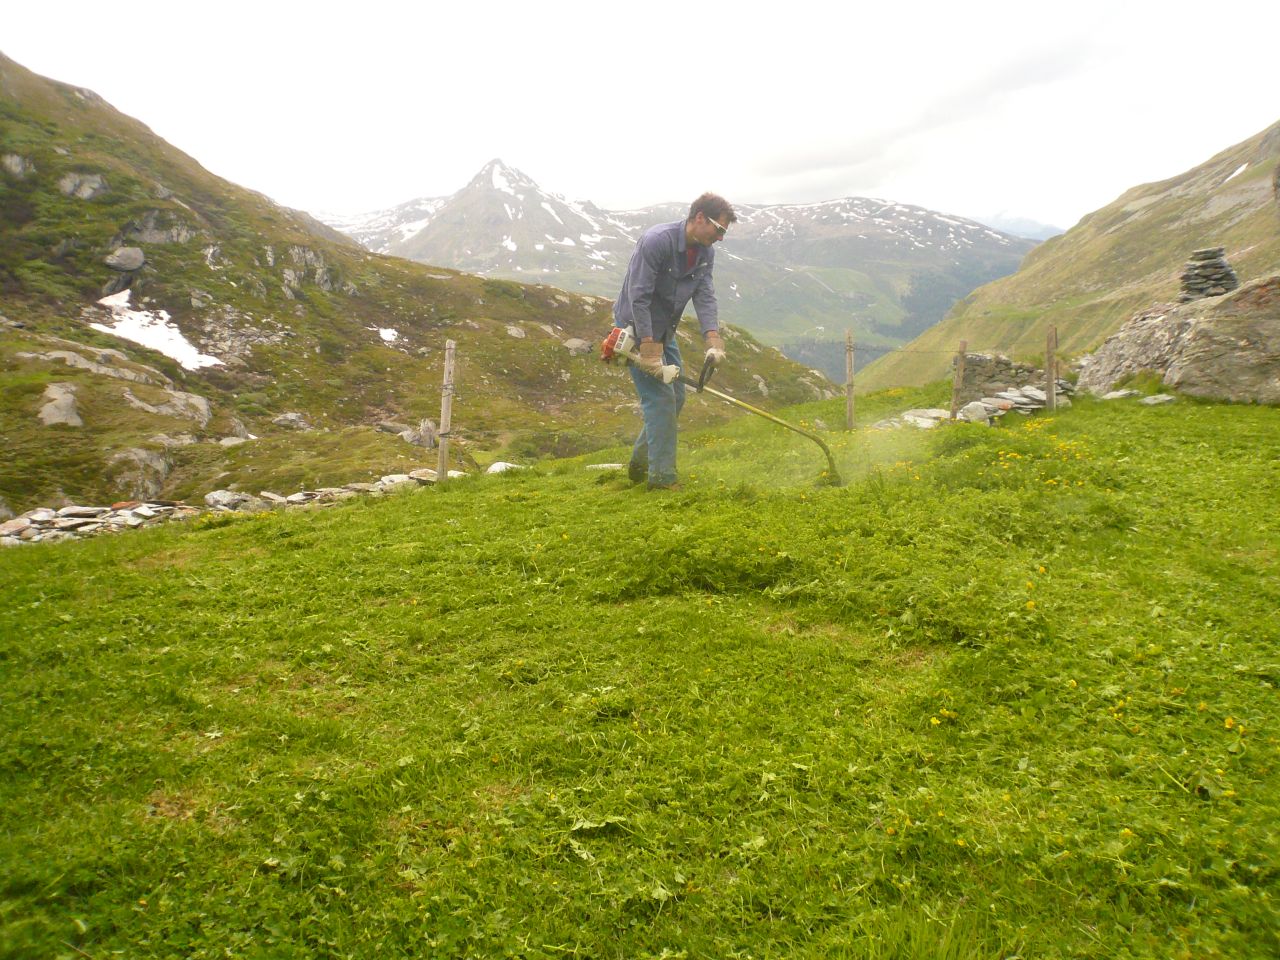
x=226 y=499
x=974 y=412
x=292 y=420
x=77 y=511
x=70 y=523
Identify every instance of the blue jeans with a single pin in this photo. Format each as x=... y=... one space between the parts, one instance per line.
x=660 y=404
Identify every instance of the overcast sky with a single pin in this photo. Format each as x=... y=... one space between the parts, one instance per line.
x=1044 y=111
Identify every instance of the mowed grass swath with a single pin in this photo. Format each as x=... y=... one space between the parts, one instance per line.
x=1009 y=693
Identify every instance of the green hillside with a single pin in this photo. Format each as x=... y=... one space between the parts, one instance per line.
x=302 y=319
x=1116 y=261
x=1011 y=692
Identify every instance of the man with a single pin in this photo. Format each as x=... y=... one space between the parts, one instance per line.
x=671 y=265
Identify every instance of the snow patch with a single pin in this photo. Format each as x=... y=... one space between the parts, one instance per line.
x=500 y=182
x=551 y=210
x=152 y=329
x=388 y=334
x=407 y=230
x=509 y=244
x=1239 y=170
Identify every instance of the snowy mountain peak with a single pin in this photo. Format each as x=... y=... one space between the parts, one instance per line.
x=499 y=176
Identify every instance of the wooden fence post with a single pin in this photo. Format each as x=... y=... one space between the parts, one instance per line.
x=446 y=411
x=1051 y=370
x=958 y=380
x=848 y=379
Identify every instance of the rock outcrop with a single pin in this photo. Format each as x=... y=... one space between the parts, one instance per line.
x=1225 y=348
x=18 y=165
x=180 y=404
x=157 y=226
x=292 y=421
x=139 y=472
x=60 y=406
x=84 y=186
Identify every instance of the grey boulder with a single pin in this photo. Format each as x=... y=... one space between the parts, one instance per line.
x=126 y=259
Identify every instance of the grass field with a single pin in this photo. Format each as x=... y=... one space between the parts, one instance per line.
x=1008 y=693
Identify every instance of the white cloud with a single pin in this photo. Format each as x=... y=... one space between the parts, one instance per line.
x=1042 y=112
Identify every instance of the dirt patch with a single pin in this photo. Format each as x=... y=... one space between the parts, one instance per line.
x=173 y=559
x=171 y=806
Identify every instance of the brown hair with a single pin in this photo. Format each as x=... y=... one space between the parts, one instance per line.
x=714 y=207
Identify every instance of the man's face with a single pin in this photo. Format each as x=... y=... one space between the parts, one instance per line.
x=707 y=231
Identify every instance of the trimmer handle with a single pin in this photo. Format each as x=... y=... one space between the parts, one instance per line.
x=708 y=368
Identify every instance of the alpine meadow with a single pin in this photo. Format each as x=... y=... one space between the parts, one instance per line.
x=993 y=676
x=1010 y=693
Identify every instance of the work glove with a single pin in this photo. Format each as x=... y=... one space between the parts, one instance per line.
x=651 y=357
x=715 y=347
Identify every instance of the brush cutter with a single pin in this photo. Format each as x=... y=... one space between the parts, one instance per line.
x=619 y=346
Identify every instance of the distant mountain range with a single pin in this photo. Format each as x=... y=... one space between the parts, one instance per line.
x=1118 y=260
x=794 y=275
x=1021 y=227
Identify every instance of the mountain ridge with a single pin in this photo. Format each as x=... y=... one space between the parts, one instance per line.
x=885 y=269
x=1118 y=260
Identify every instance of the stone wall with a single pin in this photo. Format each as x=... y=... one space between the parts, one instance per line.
x=987 y=375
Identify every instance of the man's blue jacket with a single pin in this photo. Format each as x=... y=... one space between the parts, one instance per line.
x=659 y=284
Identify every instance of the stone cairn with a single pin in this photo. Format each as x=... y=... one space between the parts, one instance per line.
x=1207 y=274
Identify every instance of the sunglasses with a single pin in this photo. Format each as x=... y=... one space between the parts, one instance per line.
x=720 y=231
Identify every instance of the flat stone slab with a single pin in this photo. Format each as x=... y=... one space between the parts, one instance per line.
x=76 y=511
x=1157 y=400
